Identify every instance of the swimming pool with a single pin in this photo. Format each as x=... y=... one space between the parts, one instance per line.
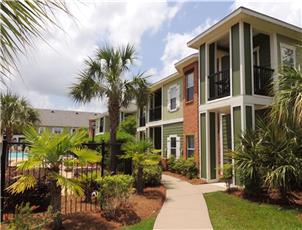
x=17 y=155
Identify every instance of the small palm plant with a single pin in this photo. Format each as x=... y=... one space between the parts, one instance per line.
x=48 y=151
x=143 y=155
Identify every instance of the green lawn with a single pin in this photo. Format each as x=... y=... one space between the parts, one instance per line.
x=146 y=224
x=230 y=212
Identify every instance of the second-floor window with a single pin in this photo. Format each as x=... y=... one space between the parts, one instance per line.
x=288 y=55
x=173 y=98
x=189 y=86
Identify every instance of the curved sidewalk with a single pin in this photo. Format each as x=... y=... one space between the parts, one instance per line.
x=185 y=207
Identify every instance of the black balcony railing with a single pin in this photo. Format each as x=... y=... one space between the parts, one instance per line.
x=155 y=114
x=262 y=80
x=142 y=121
x=219 y=84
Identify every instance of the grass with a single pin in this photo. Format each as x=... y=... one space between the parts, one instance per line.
x=146 y=224
x=230 y=212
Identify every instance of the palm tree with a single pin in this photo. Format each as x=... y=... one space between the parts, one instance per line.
x=143 y=155
x=105 y=76
x=47 y=151
x=16 y=114
x=20 y=21
x=287 y=103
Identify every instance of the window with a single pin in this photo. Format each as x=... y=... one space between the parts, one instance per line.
x=57 y=130
x=189 y=86
x=173 y=98
x=190 y=146
x=173 y=146
x=288 y=55
x=101 y=127
x=73 y=130
x=41 y=130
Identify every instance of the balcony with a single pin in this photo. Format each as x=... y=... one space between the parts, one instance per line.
x=219 y=84
x=262 y=80
x=155 y=113
x=142 y=121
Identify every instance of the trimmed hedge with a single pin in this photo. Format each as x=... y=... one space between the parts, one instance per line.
x=186 y=167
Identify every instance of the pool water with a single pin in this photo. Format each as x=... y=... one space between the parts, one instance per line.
x=18 y=155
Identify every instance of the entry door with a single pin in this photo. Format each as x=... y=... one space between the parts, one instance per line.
x=226 y=136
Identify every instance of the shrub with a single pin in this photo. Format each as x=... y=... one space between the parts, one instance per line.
x=24 y=219
x=171 y=163
x=114 y=193
x=189 y=168
x=90 y=183
x=227 y=174
x=151 y=175
x=128 y=125
x=178 y=166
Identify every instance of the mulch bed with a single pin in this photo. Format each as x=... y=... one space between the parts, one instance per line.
x=295 y=198
x=141 y=207
x=194 y=181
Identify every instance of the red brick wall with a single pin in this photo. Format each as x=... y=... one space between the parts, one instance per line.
x=190 y=122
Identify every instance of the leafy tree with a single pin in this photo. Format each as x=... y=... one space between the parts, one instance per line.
x=16 y=114
x=128 y=125
x=105 y=76
x=47 y=151
x=20 y=21
x=143 y=155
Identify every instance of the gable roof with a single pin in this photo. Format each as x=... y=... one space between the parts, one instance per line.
x=240 y=13
x=65 y=118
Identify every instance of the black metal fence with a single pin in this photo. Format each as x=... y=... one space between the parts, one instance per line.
x=39 y=196
x=219 y=84
x=262 y=80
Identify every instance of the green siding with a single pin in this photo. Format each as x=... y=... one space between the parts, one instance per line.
x=167 y=115
x=226 y=135
x=247 y=59
x=292 y=42
x=263 y=42
x=235 y=60
x=202 y=69
x=211 y=58
x=213 y=145
x=203 y=152
x=249 y=117
x=172 y=129
x=236 y=132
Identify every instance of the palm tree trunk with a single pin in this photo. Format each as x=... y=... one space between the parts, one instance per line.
x=139 y=180
x=114 y=110
x=55 y=202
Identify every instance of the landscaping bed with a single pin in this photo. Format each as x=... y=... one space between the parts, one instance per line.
x=231 y=212
x=141 y=207
x=194 y=181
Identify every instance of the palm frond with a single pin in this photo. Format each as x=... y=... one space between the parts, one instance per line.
x=23 y=182
x=86 y=155
x=70 y=184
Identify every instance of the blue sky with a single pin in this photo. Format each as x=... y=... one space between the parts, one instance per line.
x=159 y=31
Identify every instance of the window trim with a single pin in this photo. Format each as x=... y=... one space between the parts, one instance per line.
x=285 y=45
x=41 y=130
x=53 y=130
x=186 y=84
x=177 y=98
x=178 y=146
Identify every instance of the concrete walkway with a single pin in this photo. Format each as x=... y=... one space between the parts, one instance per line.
x=185 y=207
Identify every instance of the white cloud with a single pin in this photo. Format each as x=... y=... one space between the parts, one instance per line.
x=176 y=47
x=49 y=70
x=287 y=10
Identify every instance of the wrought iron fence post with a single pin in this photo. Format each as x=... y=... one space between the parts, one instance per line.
x=3 y=169
x=103 y=158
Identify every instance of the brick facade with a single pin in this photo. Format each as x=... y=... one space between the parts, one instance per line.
x=190 y=114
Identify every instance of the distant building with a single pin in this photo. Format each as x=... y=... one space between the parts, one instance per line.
x=56 y=121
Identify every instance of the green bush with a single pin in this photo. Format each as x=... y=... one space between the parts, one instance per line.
x=114 y=193
x=128 y=125
x=189 y=168
x=90 y=183
x=186 y=167
x=151 y=175
x=25 y=220
x=227 y=174
x=171 y=163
